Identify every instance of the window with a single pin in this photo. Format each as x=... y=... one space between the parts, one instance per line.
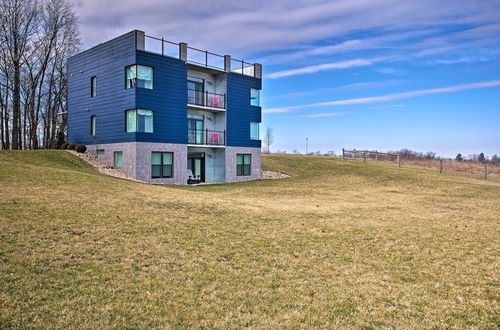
x=93 y=86
x=162 y=165
x=243 y=163
x=100 y=152
x=138 y=120
x=254 y=131
x=118 y=159
x=139 y=76
x=92 y=125
x=255 y=97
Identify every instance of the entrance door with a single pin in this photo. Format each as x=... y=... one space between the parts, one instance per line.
x=196 y=163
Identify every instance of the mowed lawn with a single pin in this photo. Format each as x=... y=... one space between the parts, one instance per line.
x=339 y=244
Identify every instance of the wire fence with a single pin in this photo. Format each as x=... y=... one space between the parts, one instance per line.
x=476 y=169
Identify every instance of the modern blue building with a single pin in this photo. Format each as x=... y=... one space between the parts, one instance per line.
x=165 y=112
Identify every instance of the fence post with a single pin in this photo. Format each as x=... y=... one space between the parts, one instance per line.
x=440 y=166
x=486 y=171
x=365 y=156
x=399 y=163
x=343 y=153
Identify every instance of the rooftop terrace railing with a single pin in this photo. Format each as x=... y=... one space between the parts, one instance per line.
x=162 y=46
x=201 y=57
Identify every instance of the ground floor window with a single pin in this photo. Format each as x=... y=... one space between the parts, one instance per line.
x=243 y=164
x=118 y=159
x=162 y=165
x=100 y=152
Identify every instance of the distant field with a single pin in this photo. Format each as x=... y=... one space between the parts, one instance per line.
x=341 y=243
x=474 y=169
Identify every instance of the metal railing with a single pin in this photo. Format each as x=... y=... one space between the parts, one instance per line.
x=206 y=99
x=161 y=46
x=242 y=67
x=205 y=58
x=206 y=137
x=198 y=56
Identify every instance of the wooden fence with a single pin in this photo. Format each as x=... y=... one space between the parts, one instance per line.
x=366 y=153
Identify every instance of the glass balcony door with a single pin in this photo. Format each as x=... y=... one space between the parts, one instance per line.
x=195 y=131
x=196 y=91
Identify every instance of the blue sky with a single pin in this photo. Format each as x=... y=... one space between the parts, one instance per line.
x=383 y=75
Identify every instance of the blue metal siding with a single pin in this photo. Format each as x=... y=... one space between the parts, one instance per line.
x=239 y=111
x=107 y=62
x=168 y=99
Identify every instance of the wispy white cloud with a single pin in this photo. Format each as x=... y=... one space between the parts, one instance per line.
x=234 y=26
x=324 y=114
x=353 y=86
x=323 y=67
x=388 y=97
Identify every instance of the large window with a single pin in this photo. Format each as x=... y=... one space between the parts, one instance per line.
x=255 y=97
x=162 y=165
x=93 y=86
x=93 y=123
x=243 y=164
x=139 y=76
x=139 y=120
x=118 y=159
x=254 y=131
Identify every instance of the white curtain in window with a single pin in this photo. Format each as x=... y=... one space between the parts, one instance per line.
x=131 y=121
x=144 y=73
x=131 y=72
x=147 y=119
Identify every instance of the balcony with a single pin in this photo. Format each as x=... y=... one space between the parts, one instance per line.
x=206 y=99
x=206 y=137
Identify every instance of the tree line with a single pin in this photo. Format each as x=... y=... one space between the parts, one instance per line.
x=36 y=38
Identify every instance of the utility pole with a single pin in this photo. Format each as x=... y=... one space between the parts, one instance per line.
x=307 y=142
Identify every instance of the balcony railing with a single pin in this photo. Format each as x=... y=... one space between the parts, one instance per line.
x=201 y=57
x=206 y=137
x=206 y=99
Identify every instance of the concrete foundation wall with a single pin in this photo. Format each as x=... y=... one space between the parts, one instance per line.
x=137 y=159
x=143 y=164
x=255 y=168
x=129 y=155
x=220 y=164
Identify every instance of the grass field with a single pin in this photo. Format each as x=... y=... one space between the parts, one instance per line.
x=341 y=243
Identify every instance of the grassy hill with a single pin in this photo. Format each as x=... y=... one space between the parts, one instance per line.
x=340 y=243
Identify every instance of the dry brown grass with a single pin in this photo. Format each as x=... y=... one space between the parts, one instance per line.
x=339 y=244
x=473 y=169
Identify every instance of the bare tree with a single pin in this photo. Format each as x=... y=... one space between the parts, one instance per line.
x=37 y=37
x=268 y=140
x=17 y=26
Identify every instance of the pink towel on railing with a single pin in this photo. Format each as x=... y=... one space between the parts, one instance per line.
x=215 y=137
x=215 y=102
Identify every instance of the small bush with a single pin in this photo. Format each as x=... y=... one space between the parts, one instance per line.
x=64 y=146
x=81 y=148
x=72 y=146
